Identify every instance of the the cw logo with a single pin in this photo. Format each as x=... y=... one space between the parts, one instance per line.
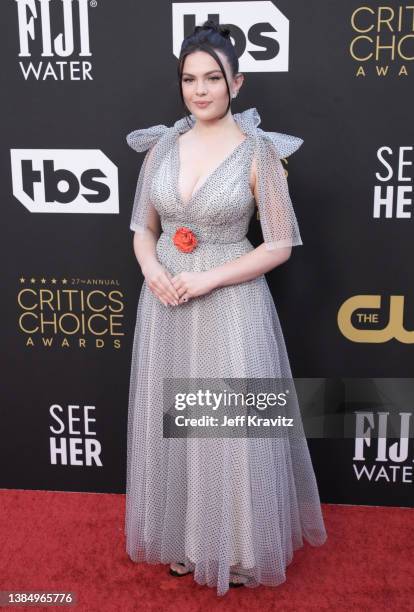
x=393 y=329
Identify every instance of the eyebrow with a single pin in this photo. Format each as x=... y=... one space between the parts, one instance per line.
x=209 y=72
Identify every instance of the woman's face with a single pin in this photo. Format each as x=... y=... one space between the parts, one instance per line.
x=203 y=81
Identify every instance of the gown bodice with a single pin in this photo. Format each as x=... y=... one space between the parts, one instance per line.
x=220 y=209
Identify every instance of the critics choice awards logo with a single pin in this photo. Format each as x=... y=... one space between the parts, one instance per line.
x=70 y=312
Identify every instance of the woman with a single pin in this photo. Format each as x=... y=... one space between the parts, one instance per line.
x=230 y=510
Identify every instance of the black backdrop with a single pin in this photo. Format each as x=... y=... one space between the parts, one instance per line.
x=70 y=278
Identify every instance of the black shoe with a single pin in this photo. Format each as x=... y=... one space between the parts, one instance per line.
x=232 y=584
x=179 y=574
x=236 y=584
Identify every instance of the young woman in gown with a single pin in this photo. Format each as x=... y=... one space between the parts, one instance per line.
x=230 y=510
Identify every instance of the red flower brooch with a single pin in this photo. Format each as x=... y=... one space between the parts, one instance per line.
x=185 y=240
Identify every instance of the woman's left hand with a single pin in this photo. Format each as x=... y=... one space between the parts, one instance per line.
x=192 y=284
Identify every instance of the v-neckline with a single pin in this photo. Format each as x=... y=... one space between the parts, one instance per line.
x=184 y=205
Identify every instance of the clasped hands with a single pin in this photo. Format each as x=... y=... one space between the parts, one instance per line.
x=178 y=289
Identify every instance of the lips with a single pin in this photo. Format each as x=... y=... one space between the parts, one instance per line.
x=202 y=104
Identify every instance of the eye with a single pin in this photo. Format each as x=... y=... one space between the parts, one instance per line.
x=215 y=78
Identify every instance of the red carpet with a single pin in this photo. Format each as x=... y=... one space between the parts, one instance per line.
x=54 y=541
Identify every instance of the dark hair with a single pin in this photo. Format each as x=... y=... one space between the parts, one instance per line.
x=208 y=37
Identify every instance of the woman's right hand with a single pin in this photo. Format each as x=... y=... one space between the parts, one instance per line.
x=159 y=282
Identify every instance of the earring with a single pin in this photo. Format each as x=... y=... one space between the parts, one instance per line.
x=234 y=95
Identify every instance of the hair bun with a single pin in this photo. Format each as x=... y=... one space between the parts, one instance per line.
x=224 y=31
x=221 y=29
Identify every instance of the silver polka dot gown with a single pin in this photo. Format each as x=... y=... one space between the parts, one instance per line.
x=222 y=504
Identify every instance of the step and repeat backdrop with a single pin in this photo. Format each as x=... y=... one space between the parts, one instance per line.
x=77 y=76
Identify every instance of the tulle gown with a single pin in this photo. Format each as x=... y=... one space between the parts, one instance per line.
x=222 y=504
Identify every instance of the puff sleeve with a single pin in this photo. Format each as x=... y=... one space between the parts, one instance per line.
x=144 y=140
x=277 y=216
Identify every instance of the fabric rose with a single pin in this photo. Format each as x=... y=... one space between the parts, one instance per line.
x=185 y=240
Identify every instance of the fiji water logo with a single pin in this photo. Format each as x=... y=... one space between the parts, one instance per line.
x=54 y=39
x=383 y=447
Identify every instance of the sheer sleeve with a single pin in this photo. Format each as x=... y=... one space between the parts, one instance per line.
x=144 y=140
x=277 y=216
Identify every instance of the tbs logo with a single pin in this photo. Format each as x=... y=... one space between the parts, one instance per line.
x=65 y=180
x=259 y=31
